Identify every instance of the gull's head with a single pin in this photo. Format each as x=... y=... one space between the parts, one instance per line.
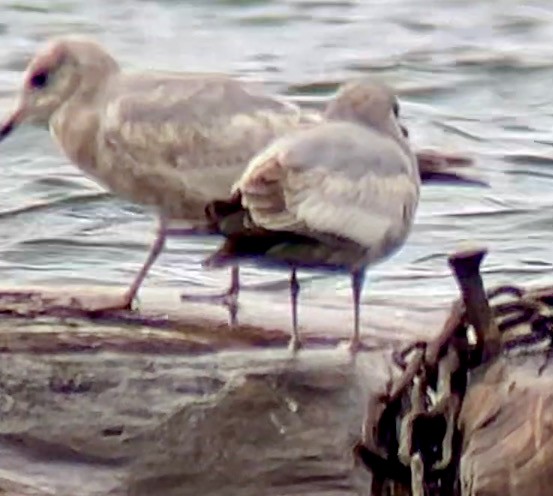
x=368 y=103
x=65 y=67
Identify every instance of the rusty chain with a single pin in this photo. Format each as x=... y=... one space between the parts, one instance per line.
x=410 y=440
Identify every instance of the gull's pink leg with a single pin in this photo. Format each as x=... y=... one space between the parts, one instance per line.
x=229 y=298
x=107 y=302
x=163 y=231
x=155 y=251
x=125 y=303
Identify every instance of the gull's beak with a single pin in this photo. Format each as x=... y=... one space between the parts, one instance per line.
x=11 y=123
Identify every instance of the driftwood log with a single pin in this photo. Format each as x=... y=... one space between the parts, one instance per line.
x=507 y=423
x=169 y=401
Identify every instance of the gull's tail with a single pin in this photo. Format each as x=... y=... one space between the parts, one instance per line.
x=442 y=167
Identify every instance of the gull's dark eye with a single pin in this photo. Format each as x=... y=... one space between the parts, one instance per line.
x=39 y=80
x=395 y=108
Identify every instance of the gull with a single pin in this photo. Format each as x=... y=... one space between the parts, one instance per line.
x=171 y=141
x=340 y=195
x=175 y=142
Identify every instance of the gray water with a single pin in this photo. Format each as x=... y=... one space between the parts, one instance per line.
x=473 y=76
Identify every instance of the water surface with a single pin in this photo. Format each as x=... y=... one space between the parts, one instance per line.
x=473 y=76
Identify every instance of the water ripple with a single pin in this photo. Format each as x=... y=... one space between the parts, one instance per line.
x=472 y=77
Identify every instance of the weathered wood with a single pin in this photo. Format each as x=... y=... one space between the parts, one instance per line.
x=163 y=321
x=234 y=423
x=170 y=401
x=507 y=416
x=177 y=404
x=507 y=425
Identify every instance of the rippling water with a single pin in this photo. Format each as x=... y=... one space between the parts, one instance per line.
x=473 y=76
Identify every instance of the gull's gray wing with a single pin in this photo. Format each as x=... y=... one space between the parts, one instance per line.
x=340 y=179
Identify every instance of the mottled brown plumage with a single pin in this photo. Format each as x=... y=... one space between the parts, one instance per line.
x=171 y=141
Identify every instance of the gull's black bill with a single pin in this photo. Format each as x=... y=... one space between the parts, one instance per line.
x=10 y=124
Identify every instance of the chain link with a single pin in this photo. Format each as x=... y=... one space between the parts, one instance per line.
x=415 y=423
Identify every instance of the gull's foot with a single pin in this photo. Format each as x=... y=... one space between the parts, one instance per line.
x=14 y=297
x=59 y=305
x=295 y=345
x=228 y=299
x=102 y=303
x=21 y=302
x=354 y=346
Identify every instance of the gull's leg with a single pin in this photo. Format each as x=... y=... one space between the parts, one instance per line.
x=156 y=248
x=155 y=251
x=295 y=343
x=357 y=280
x=229 y=298
x=232 y=295
x=105 y=303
